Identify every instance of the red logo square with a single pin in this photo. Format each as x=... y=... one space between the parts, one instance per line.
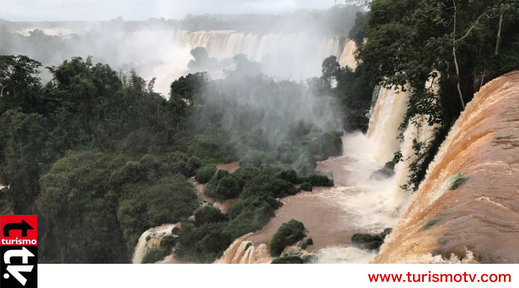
x=18 y=230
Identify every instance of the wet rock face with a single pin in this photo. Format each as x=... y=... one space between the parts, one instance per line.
x=477 y=218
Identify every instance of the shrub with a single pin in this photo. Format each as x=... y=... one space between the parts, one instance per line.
x=288 y=175
x=306 y=187
x=268 y=185
x=317 y=180
x=194 y=162
x=192 y=165
x=281 y=188
x=251 y=219
x=204 y=174
x=256 y=201
x=287 y=259
x=210 y=189
x=176 y=157
x=246 y=173
x=309 y=259
x=202 y=244
x=288 y=234
x=310 y=241
x=168 y=242
x=155 y=255
x=259 y=185
x=208 y=214
x=228 y=188
x=367 y=241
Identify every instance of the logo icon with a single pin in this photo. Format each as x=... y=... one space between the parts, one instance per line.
x=19 y=247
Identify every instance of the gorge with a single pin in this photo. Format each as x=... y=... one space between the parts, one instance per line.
x=359 y=134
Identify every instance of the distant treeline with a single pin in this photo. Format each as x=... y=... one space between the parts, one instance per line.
x=336 y=21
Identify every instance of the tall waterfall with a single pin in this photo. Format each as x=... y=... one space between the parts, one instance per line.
x=295 y=55
x=165 y=54
x=478 y=219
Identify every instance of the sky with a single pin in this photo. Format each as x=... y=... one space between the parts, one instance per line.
x=99 y=10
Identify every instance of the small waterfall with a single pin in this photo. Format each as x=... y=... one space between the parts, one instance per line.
x=242 y=251
x=150 y=239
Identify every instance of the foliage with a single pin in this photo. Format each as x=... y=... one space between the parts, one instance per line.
x=309 y=259
x=288 y=234
x=228 y=188
x=268 y=184
x=457 y=181
x=287 y=259
x=155 y=255
x=203 y=244
x=430 y=224
x=212 y=185
x=168 y=242
x=367 y=241
x=328 y=144
x=306 y=187
x=460 y=44
x=208 y=214
x=317 y=180
x=289 y=176
x=204 y=174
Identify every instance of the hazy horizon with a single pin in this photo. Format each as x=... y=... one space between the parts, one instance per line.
x=97 y=10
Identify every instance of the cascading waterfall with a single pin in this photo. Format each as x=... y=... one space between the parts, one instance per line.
x=150 y=239
x=386 y=119
x=242 y=251
x=347 y=58
x=452 y=220
x=167 y=52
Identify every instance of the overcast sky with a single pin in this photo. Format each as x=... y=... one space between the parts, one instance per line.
x=39 y=10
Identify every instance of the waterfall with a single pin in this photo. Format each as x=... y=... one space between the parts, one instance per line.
x=478 y=219
x=347 y=58
x=293 y=54
x=150 y=239
x=165 y=54
x=387 y=116
x=242 y=251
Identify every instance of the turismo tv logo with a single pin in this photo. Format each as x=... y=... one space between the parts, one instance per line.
x=19 y=247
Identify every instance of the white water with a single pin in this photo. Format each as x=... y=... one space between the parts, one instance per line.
x=155 y=234
x=165 y=54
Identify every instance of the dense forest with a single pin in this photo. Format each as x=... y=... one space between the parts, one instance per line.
x=101 y=157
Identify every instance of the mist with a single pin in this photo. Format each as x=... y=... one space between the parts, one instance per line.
x=290 y=46
x=67 y=10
